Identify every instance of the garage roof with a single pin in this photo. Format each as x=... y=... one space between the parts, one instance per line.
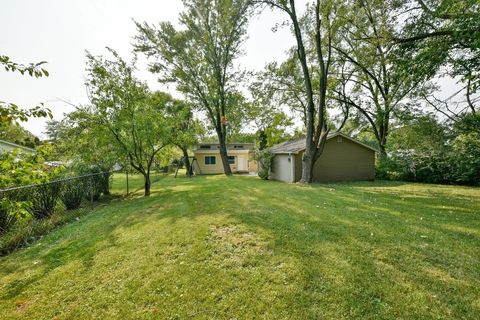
x=295 y=146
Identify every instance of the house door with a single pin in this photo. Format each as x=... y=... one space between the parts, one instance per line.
x=242 y=163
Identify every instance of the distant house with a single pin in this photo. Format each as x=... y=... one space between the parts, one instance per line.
x=343 y=159
x=6 y=146
x=208 y=160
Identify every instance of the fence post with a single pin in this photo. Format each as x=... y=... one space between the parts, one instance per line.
x=91 y=191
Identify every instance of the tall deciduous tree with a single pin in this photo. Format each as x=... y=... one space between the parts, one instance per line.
x=185 y=128
x=449 y=30
x=136 y=120
x=266 y=109
x=200 y=57
x=84 y=145
x=281 y=84
x=377 y=79
x=315 y=34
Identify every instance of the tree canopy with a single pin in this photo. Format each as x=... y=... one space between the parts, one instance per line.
x=122 y=106
x=200 y=58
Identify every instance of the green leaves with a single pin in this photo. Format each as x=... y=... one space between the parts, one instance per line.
x=443 y=37
x=125 y=117
x=199 y=59
x=32 y=69
x=17 y=169
x=10 y=112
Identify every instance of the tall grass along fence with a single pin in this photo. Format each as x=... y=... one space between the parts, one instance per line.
x=27 y=212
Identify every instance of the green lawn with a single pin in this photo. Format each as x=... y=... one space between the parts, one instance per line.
x=213 y=247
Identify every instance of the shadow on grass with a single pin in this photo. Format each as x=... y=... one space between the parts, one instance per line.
x=356 y=252
x=67 y=243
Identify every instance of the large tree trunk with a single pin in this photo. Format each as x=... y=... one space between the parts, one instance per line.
x=224 y=156
x=147 y=183
x=383 y=151
x=307 y=166
x=186 y=162
x=382 y=141
x=308 y=161
x=315 y=131
x=223 y=153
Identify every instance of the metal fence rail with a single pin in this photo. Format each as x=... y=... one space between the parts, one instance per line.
x=28 y=186
x=30 y=211
x=43 y=200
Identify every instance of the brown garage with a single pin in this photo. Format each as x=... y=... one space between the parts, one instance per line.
x=343 y=159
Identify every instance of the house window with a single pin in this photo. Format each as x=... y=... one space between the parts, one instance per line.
x=205 y=147
x=339 y=139
x=231 y=159
x=210 y=160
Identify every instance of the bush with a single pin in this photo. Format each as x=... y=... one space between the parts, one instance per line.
x=14 y=206
x=387 y=169
x=105 y=182
x=465 y=158
x=73 y=192
x=424 y=150
x=411 y=166
x=264 y=158
x=97 y=182
x=44 y=199
x=6 y=219
x=93 y=187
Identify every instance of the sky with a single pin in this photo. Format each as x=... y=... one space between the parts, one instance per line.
x=59 y=32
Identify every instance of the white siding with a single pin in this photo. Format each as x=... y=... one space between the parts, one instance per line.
x=282 y=168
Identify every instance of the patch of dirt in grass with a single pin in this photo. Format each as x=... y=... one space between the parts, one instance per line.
x=235 y=245
x=21 y=305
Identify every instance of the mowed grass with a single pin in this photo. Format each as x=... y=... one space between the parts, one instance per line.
x=213 y=247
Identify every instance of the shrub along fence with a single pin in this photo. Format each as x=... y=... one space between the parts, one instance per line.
x=30 y=211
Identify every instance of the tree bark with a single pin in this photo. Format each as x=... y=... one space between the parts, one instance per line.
x=307 y=167
x=147 y=184
x=223 y=153
x=308 y=161
x=186 y=162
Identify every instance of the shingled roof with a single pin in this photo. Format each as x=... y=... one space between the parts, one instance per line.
x=295 y=146
x=292 y=146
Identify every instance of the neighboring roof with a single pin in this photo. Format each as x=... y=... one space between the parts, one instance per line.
x=17 y=146
x=247 y=145
x=295 y=146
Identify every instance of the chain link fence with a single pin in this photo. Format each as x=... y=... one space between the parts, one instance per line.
x=28 y=212
x=41 y=201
